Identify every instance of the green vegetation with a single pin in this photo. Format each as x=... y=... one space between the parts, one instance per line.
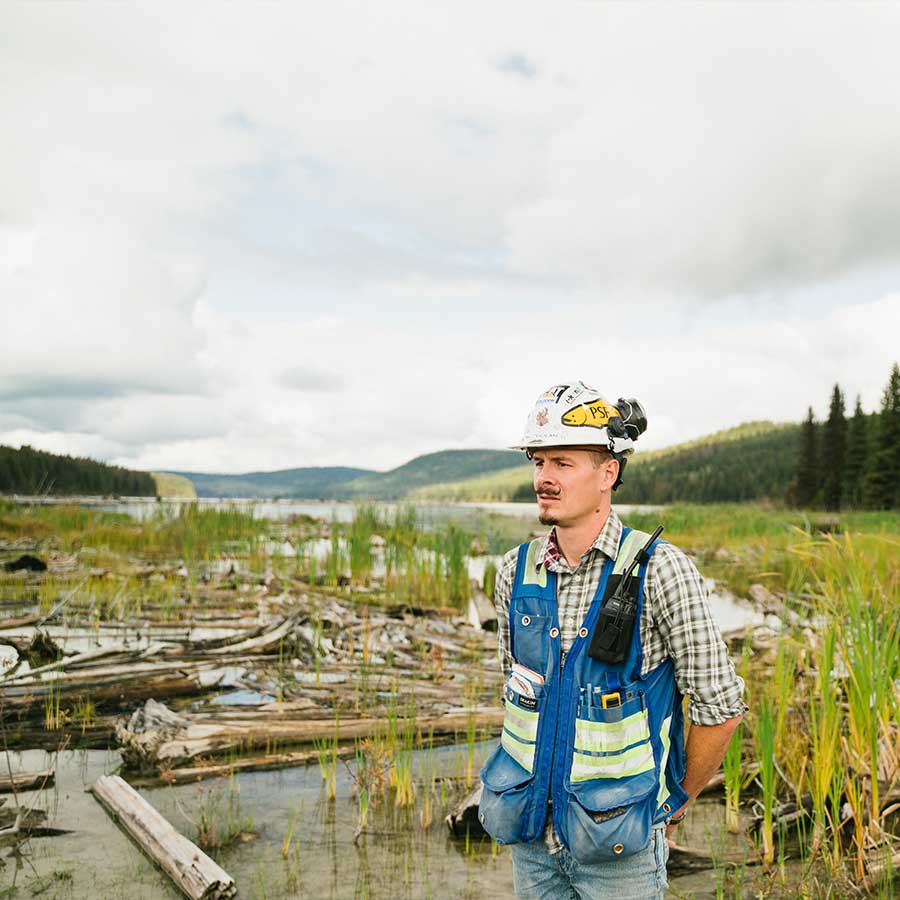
x=192 y=533
x=30 y=471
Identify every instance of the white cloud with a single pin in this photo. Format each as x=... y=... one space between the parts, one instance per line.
x=250 y=237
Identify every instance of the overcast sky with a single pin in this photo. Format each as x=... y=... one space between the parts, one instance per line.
x=256 y=236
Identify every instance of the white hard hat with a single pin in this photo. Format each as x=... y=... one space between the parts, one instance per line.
x=567 y=415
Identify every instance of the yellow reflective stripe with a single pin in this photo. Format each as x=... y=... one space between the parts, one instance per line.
x=666 y=744
x=623 y=765
x=523 y=754
x=608 y=737
x=533 y=575
x=520 y=722
x=630 y=546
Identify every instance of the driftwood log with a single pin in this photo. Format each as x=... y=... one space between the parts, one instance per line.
x=156 y=738
x=25 y=781
x=187 y=865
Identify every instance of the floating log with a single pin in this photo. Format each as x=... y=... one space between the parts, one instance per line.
x=25 y=781
x=197 y=876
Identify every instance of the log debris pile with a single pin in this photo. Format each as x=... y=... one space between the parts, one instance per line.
x=316 y=668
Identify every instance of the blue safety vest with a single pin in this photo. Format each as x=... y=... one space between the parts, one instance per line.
x=602 y=742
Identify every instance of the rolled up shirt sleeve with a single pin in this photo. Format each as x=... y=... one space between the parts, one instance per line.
x=703 y=670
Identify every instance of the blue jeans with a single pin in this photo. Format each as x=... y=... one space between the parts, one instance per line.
x=539 y=876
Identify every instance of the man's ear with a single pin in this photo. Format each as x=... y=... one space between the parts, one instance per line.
x=610 y=473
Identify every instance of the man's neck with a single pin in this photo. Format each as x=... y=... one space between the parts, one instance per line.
x=575 y=540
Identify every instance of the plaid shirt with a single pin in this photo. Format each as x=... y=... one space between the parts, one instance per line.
x=675 y=622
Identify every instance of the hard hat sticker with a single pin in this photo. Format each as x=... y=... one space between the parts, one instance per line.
x=542 y=417
x=554 y=393
x=590 y=415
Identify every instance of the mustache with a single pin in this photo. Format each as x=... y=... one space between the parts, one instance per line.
x=547 y=492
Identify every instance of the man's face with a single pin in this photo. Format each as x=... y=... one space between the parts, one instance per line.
x=569 y=488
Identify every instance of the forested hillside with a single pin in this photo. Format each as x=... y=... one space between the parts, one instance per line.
x=30 y=471
x=432 y=468
x=754 y=461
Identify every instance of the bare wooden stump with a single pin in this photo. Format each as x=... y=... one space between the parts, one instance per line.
x=463 y=818
x=187 y=865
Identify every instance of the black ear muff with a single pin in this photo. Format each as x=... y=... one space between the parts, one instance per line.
x=633 y=417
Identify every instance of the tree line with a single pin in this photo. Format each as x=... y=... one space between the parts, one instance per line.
x=752 y=462
x=30 y=471
x=851 y=462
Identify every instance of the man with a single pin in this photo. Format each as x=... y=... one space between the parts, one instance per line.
x=601 y=631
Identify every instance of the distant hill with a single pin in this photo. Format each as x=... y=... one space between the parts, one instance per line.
x=754 y=461
x=491 y=487
x=174 y=486
x=336 y=483
x=432 y=468
x=29 y=471
x=313 y=483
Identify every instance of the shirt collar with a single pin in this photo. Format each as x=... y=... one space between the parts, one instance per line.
x=607 y=542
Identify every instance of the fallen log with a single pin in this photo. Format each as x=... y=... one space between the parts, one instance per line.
x=20 y=621
x=25 y=781
x=156 y=738
x=195 y=874
x=87 y=656
x=463 y=818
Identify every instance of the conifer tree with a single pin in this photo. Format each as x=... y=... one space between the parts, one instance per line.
x=834 y=456
x=857 y=456
x=882 y=483
x=808 y=468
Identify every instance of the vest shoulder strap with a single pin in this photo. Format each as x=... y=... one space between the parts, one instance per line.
x=631 y=545
x=530 y=573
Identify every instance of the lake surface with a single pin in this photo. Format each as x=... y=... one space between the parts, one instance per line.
x=279 y=510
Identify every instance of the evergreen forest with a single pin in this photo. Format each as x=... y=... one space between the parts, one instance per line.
x=30 y=471
x=851 y=461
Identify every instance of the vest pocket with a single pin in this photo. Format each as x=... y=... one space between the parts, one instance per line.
x=508 y=774
x=612 y=743
x=612 y=783
x=520 y=726
x=531 y=640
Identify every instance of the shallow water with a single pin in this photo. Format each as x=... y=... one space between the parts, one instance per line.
x=397 y=859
